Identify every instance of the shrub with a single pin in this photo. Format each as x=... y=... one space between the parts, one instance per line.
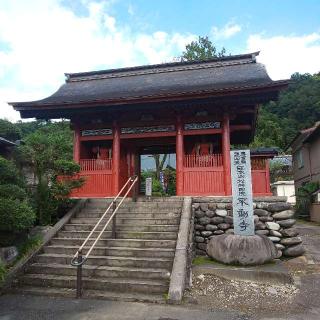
x=304 y=198
x=3 y=272
x=15 y=216
x=8 y=172
x=12 y=191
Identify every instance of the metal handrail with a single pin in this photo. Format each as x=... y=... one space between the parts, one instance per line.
x=78 y=260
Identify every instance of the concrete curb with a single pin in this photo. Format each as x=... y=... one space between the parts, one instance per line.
x=23 y=263
x=179 y=269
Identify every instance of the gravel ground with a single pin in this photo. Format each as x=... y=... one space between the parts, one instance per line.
x=248 y=297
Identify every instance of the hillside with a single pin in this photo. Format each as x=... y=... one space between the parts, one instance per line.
x=298 y=107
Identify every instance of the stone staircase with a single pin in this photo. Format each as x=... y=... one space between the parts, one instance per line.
x=136 y=266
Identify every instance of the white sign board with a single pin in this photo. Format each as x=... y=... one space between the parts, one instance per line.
x=242 y=193
x=148 y=187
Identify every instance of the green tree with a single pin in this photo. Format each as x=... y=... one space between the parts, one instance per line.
x=9 y=130
x=297 y=108
x=16 y=213
x=159 y=162
x=202 y=49
x=49 y=152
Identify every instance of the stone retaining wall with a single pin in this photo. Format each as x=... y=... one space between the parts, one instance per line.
x=273 y=217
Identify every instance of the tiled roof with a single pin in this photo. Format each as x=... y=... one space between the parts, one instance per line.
x=213 y=76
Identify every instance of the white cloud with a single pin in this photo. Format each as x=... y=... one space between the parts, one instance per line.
x=284 y=55
x=226 y=32
x=46 y=39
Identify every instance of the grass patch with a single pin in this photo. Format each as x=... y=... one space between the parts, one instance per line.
x=24 y=249
x=198 y=261
x=166 y=296
x=310 y=223
x=29 y=246
x=3 y=273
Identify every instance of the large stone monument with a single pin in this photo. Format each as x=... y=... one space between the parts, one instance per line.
x=243 y=247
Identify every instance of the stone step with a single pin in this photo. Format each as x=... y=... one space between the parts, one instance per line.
x=129 y=221
x=93 y=294
x=163 y=235
x=122 y=210
x=140 y=198
x=122 y=227
x=137 y=262
x=101 y=271
x=125 y=215
x=113 y=251
x=130 y=205
x=133 y=243
x=117 y=284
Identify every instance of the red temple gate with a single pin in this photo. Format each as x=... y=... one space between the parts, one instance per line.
x=198 y=107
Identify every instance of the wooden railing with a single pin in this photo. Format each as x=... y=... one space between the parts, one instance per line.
x=95 y=164
x=206 y=161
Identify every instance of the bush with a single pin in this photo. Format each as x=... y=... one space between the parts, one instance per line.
x=8 y=172
x=15 y=216
x=304 y=198
x=12 y=191
x=3 y=272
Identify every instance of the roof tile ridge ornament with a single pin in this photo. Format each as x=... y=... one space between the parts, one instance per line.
x=163 y=68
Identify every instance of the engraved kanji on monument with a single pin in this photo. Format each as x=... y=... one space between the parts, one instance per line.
x=242 y=193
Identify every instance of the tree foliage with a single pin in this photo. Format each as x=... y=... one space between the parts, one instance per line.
x=48 y=150
x=202 y=49
x=16 y=212
x=297 y=108
x=9 y=130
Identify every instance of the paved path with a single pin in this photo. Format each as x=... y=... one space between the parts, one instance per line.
x=19 y=307
x=310 y=234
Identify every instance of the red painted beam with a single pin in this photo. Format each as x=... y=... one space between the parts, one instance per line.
x=240 y=127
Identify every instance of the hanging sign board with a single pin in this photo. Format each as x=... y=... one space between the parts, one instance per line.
x=148 y=187
x=242 y=193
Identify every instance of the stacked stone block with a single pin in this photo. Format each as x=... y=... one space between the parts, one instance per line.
x=272 y=219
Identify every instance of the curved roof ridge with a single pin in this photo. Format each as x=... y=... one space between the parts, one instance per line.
x=163 y=67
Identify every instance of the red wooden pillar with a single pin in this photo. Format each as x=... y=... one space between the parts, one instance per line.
x=226 y=154
x=116 y=158
x=76 y=144
x=268 y=191
x=179 y=157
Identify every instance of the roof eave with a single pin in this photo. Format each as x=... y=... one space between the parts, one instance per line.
x=273 y=86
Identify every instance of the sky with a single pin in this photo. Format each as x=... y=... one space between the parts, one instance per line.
x=40 y=40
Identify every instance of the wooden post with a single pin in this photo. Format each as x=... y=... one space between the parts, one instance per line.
x=179 y=157
x=116 y=158
x=268 y=191
x=76 y=144
x=226 y=154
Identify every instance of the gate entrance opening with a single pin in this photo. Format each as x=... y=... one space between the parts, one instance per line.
x=159 y=163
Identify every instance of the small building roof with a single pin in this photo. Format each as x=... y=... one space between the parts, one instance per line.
x=264 y=152
x=283 y=182
x=6 y=143
x=161 y=82
x=306 y=135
